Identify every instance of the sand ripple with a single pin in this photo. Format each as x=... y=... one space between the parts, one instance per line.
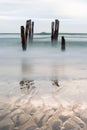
x=30 y=117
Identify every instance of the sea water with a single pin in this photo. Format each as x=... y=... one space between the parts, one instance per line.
x=42 y=63
x=43 y=60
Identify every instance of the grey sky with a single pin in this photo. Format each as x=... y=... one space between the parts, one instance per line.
x=71 y=13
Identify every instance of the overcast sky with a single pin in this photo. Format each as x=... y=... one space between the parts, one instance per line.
x=72 y=15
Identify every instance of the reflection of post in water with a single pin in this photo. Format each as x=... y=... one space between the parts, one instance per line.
x=26 y=85
x=56 y=87
x=25 y=66
x=54 y=79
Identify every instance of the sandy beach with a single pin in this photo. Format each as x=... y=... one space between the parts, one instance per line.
x=27 y=116
x=56 y=108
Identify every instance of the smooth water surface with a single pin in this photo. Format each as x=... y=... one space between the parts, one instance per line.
x=30 y=98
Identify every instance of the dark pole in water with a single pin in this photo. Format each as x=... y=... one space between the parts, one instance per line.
x=32 y=30
x=27 y=32
x=56 y=29
x=23 y=39
x=52 y=31
x=27 y=28
x=62 y=43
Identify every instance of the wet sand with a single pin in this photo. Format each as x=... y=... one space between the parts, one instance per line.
x=30 y=117
x=52 y=109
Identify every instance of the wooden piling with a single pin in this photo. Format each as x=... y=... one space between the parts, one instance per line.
x=27 y=29
x=27 y=32
x=62 y=43
x=32 y=30
x=54 y=30
x=23 y=38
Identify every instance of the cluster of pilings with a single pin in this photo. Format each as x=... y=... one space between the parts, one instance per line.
x=26 y=32
x=54 y=30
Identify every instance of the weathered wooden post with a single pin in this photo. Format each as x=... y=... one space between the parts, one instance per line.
x=26 y=31
x=52 y=31
x=62 y=43
x=23 y=38
x=55 y=30
x=32 y=30
x=27 y=28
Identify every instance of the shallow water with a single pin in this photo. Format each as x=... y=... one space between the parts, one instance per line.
x=42 y=61
x=42 y=64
